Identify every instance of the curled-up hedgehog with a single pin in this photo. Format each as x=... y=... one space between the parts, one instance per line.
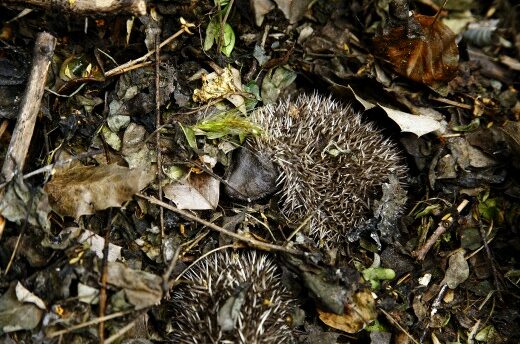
x=232 y=298
x=327 y=165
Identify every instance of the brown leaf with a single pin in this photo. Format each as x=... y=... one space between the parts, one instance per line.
x=358 y=313
x=429 y=55
x=84 y=190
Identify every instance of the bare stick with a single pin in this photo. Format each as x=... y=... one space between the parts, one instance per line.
x=158 y=132
x=30 y=105
x=420 y=254
x=99 y=7
x=253 y=242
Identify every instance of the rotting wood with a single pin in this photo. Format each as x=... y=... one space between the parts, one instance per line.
x=98 y=7
x=30 y=105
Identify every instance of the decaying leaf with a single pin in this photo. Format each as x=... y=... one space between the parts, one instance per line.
x=198 y=192
x=274 y=83
x=260 y=8
x=428 y=54
x=19 y=309
x=417 y=124
x=84 y=190
x=457 y=272
x=224 y=85
x=360 y=312
x=19 y=203
x=293 y=10
x=142 y=289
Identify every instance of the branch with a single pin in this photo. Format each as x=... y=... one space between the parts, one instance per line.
x=30 y=105
x=98 y=7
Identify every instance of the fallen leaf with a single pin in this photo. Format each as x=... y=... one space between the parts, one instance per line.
x=417 y=124
x=142 y=289
x=225 y=85
x=96 y=244
x=360 y=312
x=25 y=296
x=16 y=315
x=260 y=8
x=458 y=270
x=197 y=192
x=293 y=10
x=84 y=190
x=19 y=203
x=428 y=55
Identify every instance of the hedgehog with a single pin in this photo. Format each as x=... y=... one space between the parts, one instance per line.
x=233 y=298
x=330 y=165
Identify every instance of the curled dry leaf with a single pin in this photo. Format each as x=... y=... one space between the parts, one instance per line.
x=429 y=55
x=84 y=190
x=358 y=313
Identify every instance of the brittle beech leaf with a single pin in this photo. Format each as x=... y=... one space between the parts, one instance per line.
x=429 y=56
x=84 y=190
x=358 y=313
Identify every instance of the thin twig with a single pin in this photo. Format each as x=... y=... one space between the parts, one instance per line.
x=121 y=332
x=22 y=232
x=158 y=133
x=104 y=279
x=88 y=323
x=253 y=242
x=50 y=167
x=393 y=321
x=489 y=255
x=185 y=27
x=420 y=253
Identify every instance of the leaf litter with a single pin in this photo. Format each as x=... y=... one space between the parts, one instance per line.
x=437 y=79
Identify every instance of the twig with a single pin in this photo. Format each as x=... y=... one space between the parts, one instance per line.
x=22 y=232
x=489 y=254
x=121 y=332
x=3 y=127
x=393 y=321
x=104 y=279
x=59 y=163
x=30 y=105
x=420 y=254
x=88 y=323
x=253 y=242
x=158 y=133
x=185 y=27
x=82 y=7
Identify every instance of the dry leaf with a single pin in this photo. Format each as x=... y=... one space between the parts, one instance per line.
x=357 y=314
x=142 y=289
x=84 y=190
x=198 y=192
x=428 y=56
x=417 y=124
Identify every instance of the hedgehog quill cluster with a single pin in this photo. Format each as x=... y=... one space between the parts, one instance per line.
x=332 y=164
x=232 y=298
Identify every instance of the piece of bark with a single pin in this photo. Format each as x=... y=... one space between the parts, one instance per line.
x=30 y=105
x=98 y=7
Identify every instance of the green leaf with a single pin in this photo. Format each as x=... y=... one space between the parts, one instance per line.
x=211 y=33
x=229 y=40
x=190 y=136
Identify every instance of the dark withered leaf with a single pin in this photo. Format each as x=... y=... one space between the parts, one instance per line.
x=84 y=190
x=429 y=57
